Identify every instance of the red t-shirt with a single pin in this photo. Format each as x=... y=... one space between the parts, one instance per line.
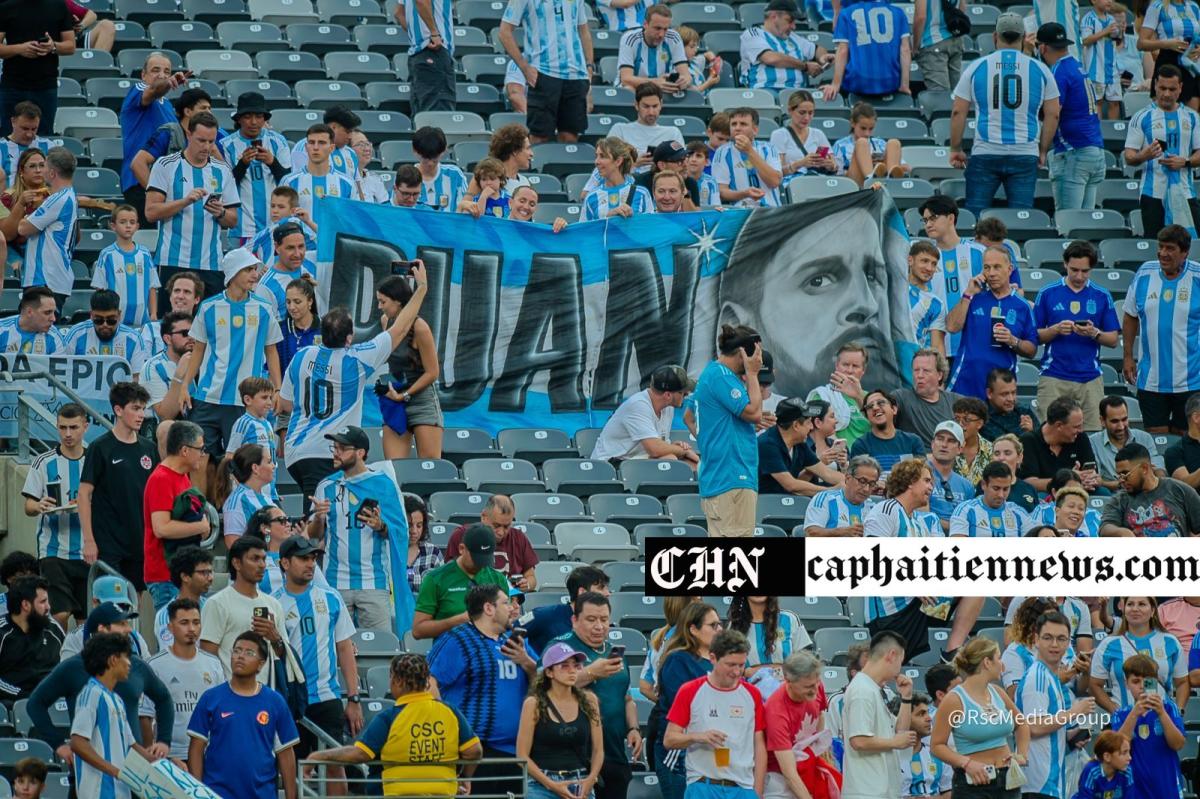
x=77 y=11
x=786 y=718
x=514 y=555
x=163 y=485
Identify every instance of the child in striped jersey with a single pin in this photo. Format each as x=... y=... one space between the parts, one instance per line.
x=862 y=155
x=254 y=426
x=128 y=269
x=492 y=199
x=705 y=67
x=284 y=207
x=696 y=167
x=442 y=185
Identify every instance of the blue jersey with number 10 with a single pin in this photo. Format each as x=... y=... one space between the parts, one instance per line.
x=874 y=31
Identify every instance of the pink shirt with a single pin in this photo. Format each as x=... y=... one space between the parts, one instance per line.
x=1180 y=618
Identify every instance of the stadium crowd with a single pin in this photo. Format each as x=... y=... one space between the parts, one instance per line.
x=345 y=609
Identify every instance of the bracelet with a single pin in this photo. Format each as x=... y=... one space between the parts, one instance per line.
x=904 y=701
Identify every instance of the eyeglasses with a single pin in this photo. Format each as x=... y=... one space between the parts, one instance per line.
x=716 y=625
x=930 y=217
x=876 y=404
x=1054 y=639
x=198 y=446
x=105 y=321
x=187 y=331
x=865 y=482
x=968 y=420
x=279 y=520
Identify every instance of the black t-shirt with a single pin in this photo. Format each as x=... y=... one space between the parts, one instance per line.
x=30 y=20
x=774 y=457
x=118 y=472
x=1185 y=453
x=646 y=181
x=1041 y=463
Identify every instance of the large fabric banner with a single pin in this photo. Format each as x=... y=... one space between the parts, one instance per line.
x=543 y=329
x=89 y=376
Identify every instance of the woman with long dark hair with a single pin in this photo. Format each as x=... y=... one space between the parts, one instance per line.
x=423 y=556
x=1139 y=631
x=773 y=634
x=410 y=408
x=560 y=735
x=253 y=471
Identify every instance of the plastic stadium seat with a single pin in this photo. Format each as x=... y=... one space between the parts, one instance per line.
x=1045 y=253
x=983 y=18
x=579 y=477
x=378 y=681
x=91 y=242
x=382 y=125
x=1022 y=223
x=1114 y=132
x=358 y=67
x=318 y=38
x=781 y=510
x=13 y=750
x=815 y=187
x=293 y=122
x=423 y=476
x=107 y=152
x=593 y=542
x=1115 y=281
x=534 y=444
x=627 y=510
x=277 y=93
x=604 y=42
x=935 y=104
x=705 y=17
x=545 y=184
x=131 y=60
x=487 y=68
x=658 y=478
x=1095 y=225
x=1034 y=280
x=98 y=182
x=610 y=70
x=70 y=93
x=830 y=642
x=549 y=509
x=725 y=43
x=468 y=40
x=501 y=476
x=931 y=163
x=221 y=64
x=479 y=98
x=84 y=64
x=326 y=93
x=108 y=93
x=417 y=647
x=751 y=14
x=553 y=574
x=387 y=40
x=457 y=507
x=391 y=155
x=183 y=35
x=685 y=509
x=822 y=39
x=482 y=14
x=214 y=12
x=908 y=131
x=642 y=613
x=389 y=96
x=585 y=437
x=834 y=679
x=350 y=12
x=282 y=12
x=84 y=123
x=612 y=100
x=127 y=33
x=440 y=532
x=560 y=160
x=825 y=608
x=644 y=786
x=1119 y=194
x=147 y=11
x=253 y=37
x=625 y=575
x=451 y=121
x=724 y=99
x=660 y=530
x=908 y=192
x=833 y=127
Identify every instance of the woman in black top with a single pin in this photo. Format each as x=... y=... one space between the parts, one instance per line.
x=410 y=407
x=560 y=730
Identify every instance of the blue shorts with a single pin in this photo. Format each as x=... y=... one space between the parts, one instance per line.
x=706 y=790
x=394 y=414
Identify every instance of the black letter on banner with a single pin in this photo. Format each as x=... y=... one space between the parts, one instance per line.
x=639 y=315
x=478 y=317
x=552 y=309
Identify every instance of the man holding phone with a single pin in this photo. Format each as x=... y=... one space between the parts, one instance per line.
x=35 y=34
x=644 y=133
x=1075 y=318
x=653 y=54
x=260 y=158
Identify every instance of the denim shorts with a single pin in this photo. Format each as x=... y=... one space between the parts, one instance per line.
x=535 y=790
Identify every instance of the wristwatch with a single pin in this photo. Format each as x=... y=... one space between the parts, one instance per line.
x=353 y=698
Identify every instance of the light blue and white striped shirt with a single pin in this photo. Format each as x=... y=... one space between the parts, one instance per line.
x=444 y=190
x=325 y=387
x=192 y=237
x=975 y=519
x=1065 y=13
x=1045 y=513
x=1168 y=312
x=1007 y=89
x=14 y=339
x=312 y=188
x=843 y=151
x=552 y=43
x=935 y=29
x=356 y=557
x=928 y=313
x=830 y=508
x=443 y=21
x=250 y=429
x=236 y=335
x=258 y=182
x=272 y=286
x=1040 y=694
x=1161 y=647
x=758 y=75
x=958 y=266
x=605 y=199
x=126 y=342
x=60 y=535
x=10 y=153
x=1180 y=129
x=100 y=718
x=48 y=252
x=710 y=192
x=623 y=19
x=730 y=167
x=241 y=504
x=1178 y=20
x=651 y=62
x=316 y=621
x=1100 y=57
x=133 y=275
x=342 y=161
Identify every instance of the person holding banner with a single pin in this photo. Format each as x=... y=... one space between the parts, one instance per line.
x=332 y=399
x=616 y=195
x=32 y=330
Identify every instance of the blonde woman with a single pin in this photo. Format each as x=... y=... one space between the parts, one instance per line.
x=981 y=717
x=616 y=194
x=1009 y=450
x=802 y=148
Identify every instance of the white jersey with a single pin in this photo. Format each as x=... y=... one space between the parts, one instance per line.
x=161 y=631
x=1163 y=648
x=889 y=519
x=444 y=190
x=192 y=237
x=316 y=621
x=343 y=160
x=371 y=189
x=1007 y=89
x=236 y=334
x=100 y=718
x=622 y=19
x=14 y=339
x=10 y=154
x=1180 y=129
x=1168 y=313
x=186 y=680
x=975 y=519
x=133 y=275
x=651 y=62
x=921 y=774
x=756 y=41
x=313 y=187
x=731 y=168
x=81 y=339
x=633 y=422
x=356 y=556
x=48 y=251
x=601 y=203
x=553 y=45
x=60 y=535
x=156 y=376
x=1041 y=693
x=325 y=387
x=258 y=182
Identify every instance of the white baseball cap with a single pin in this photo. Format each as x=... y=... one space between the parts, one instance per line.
x=953 y=428
x=237 y=260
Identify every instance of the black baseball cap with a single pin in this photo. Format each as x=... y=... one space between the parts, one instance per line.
x=480 y=541
x=794 y=408
x=299 y=546
x=669 y=151
x=103 y=615
x=351 y=436
x=671 y=378
x=766 y=375
x=782 y=5
x=1053 y=34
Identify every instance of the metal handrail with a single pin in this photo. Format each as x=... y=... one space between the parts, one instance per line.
x=27 y=405
x=12 y=377
x=313 y=787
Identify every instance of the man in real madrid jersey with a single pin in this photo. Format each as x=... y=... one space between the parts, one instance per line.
x=318 y=178
x=193 y=198
x=234 y=336
x=32 y=330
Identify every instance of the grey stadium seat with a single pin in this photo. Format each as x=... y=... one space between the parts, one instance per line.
x=98 y=182
x=214 y=12
x=664 y=530
x=534 y=444
x=350 y=12
x=183 y=35
x=462 y=507
x=84 y=64
x=147 y=12
x=782 y=510
x=579 y=476
x=685 y=509
x=220 y=65
x=1022 y=223
x=277 y=93
x=253 y=37
x=553 y=574
x=318 y=38
x=501 y=476
x=549 y=509
x=358 y=67
x=387 y=40
x=282 y=12
x=642 y=613
x=724 y=99
x=389 y=95
x=658 y=478
x=85 y=123
x=627 y=510
x=704 y=17
x=108 y=93
x=327 y=93
x=423 y=476
x=1095 y=225
x=625 y=574
x=816 y=187
x=593 y=542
